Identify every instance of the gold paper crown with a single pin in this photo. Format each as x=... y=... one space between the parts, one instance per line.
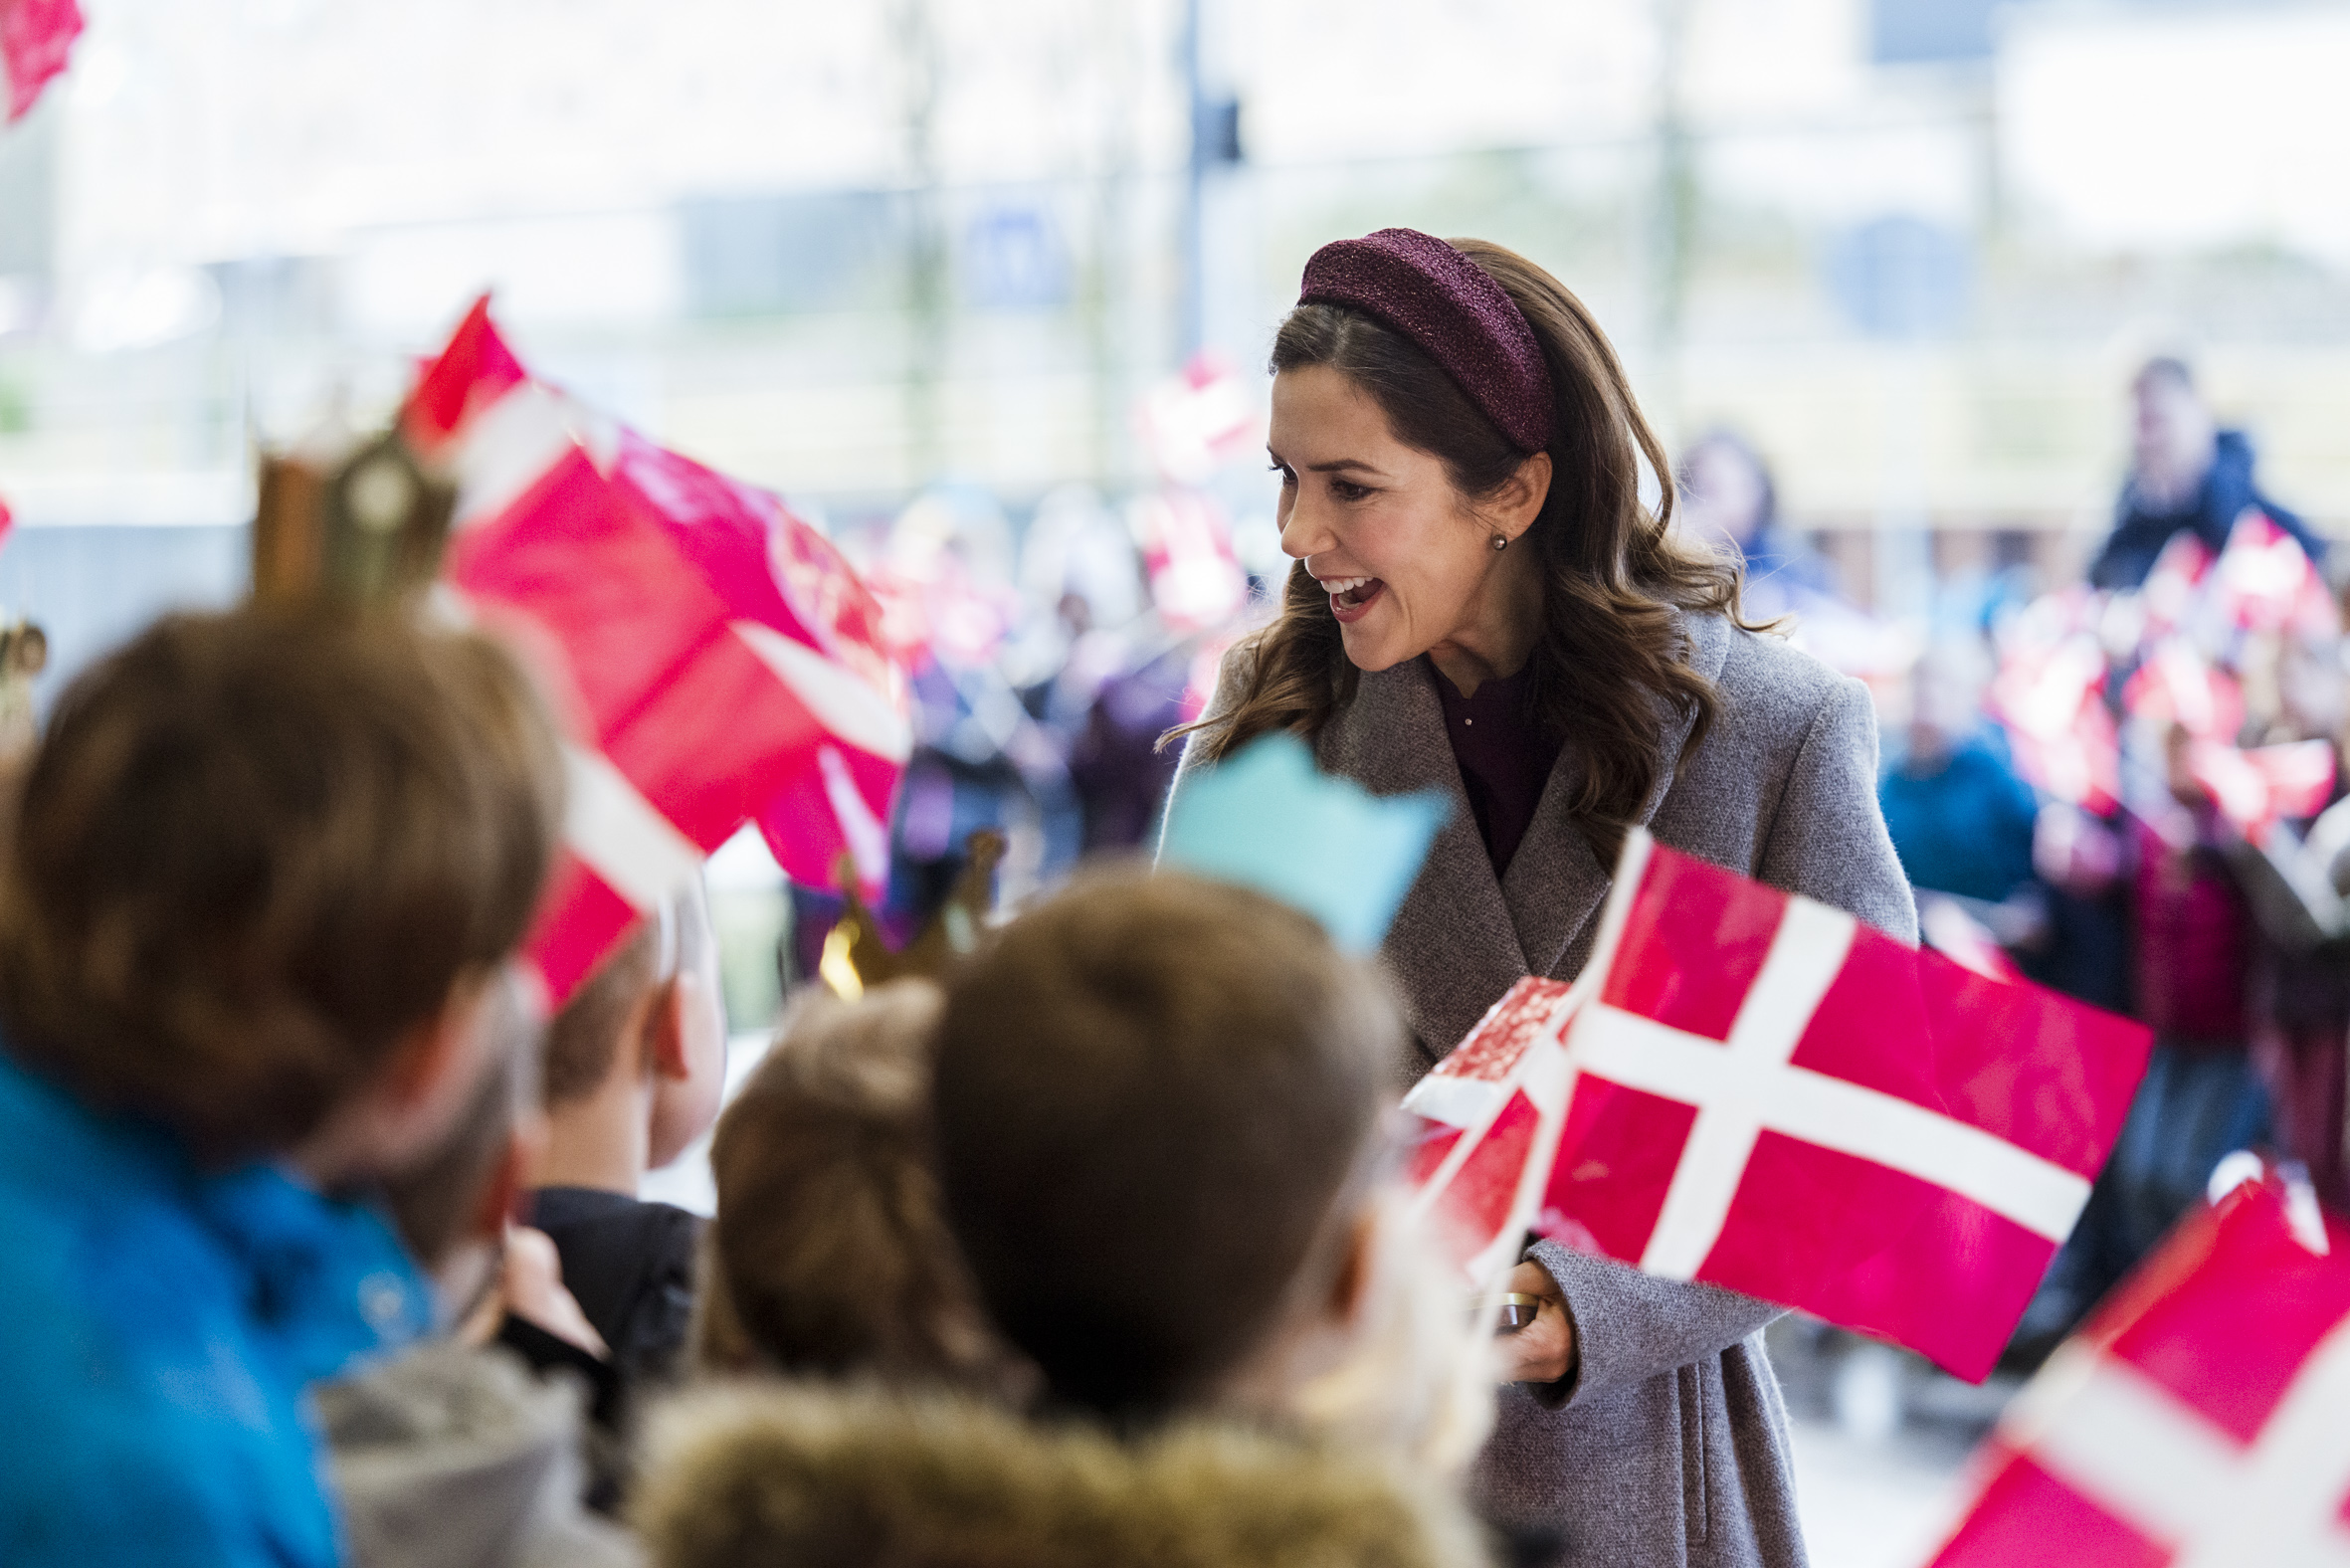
x=856 y=956
x=364 y=525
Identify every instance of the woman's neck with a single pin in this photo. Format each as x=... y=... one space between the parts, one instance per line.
x=1504 y=622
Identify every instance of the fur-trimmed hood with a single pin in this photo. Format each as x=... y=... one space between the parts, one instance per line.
x=823 y=1478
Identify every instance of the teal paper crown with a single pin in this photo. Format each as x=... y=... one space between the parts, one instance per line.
x=1266 y=819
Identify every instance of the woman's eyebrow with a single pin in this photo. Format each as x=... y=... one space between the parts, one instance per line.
x=1342 y=465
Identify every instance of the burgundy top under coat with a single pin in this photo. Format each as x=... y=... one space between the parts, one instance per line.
x=1503 y=760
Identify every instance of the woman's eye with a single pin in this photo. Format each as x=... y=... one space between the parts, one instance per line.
x=1283 y=468
x=1347 y=489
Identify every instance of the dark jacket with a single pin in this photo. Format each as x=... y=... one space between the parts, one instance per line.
x=824 y=1477
x=631 y=1266
x=2138 y=535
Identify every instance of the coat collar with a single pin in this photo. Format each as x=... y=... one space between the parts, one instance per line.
x=1462 y=936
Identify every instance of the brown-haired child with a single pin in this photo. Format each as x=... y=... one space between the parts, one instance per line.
x=264 y=870
x=1158 y=1103
x=636 y=1062
x=829 y=1254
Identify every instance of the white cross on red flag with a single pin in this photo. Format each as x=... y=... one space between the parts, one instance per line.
x=1758 y=1091
x=724 y=664
x=2201 y=1418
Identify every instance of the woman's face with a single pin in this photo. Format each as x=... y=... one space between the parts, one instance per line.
x=1408 y=566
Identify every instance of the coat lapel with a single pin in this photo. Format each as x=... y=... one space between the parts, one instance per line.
x=1462 y=937
x=1556 y=883
x=1453 y=949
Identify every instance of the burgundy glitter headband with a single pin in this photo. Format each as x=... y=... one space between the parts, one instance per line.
x=1441 y=299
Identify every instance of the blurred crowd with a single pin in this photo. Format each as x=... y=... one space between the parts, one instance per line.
x=2127 y=788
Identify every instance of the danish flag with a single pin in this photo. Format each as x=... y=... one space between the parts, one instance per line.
x=726 y=663
x=1757 y=1091
x=2197 y=1422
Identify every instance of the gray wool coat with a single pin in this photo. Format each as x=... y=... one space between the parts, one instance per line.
x=1668 y=1444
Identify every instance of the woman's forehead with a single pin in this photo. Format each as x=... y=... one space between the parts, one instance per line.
x=1319 y=417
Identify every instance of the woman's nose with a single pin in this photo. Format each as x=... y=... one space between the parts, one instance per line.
x=1304 y=532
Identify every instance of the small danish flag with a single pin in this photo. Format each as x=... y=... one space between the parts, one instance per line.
x=1757 y=1091
x=1491 y=1114
x=2198 y=1421
x=724 y=664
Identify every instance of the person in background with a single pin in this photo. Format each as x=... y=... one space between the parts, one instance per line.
x=263 y=877
x=830 y=1255
x=1961 y=819
x=454 y=1455
x=2186 y=476
x=1726 y=494
x=635 y=1065
x=2194 y=951
x=1159 y=1116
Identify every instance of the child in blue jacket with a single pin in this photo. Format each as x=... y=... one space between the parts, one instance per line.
x=265 y=867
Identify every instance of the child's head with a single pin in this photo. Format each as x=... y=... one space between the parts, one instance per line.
x=1158 y=1103
x=650 y=1024
x=829 y=1253
x=264 y=867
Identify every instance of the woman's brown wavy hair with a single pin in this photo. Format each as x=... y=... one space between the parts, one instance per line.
x=1611 y=666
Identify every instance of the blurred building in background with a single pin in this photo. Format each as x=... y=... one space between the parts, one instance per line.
x=1910 y=249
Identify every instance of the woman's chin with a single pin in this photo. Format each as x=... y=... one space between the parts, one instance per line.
x=1369 y=651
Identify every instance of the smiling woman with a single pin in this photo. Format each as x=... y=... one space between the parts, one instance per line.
x=1482 y=607
x=1494 y=539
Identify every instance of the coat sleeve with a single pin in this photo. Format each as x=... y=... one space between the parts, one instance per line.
x=1631 y=1327
x=1827 y=840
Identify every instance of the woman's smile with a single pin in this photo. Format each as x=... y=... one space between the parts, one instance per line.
x=1351 y=597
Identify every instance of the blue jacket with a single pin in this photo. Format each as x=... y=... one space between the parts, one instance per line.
x=159 y=1329
x=1964 y=826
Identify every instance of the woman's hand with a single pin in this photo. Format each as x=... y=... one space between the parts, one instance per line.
x=1544 y=1350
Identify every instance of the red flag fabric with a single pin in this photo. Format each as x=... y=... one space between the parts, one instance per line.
x=2176 y=684
x=36 y=36
x=726 y=663
x=1489 y=1120
x=2048 y=697
x=2198 y=1421
x=2255 y=789
x=2268 y=582
x=1770 y=1097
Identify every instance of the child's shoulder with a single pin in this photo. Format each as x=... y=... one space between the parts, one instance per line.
x=162 y=1324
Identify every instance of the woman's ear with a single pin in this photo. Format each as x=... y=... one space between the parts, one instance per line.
x=1514 y=508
